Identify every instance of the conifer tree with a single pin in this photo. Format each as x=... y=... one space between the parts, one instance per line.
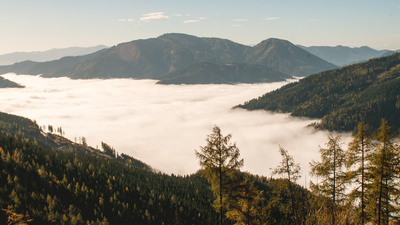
x=220 y=162
x=245 y=207
x=359 y=149
x=330 y=169
x=384 y=177
x=288 y=168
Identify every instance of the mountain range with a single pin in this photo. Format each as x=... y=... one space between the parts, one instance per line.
x=343 y=97
x=43 y=56
x=343 y=55
x=155 y=57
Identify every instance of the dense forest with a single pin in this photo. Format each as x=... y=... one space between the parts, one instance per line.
x=48 y=181
x=53 y=181
x=366 y=92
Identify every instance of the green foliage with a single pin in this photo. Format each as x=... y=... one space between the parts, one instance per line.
x=68 y=183
x=365 y=92
x=52 y=186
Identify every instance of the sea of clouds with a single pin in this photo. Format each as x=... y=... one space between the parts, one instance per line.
x=163 y=125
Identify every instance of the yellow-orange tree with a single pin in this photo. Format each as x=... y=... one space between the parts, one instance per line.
x=220 y=162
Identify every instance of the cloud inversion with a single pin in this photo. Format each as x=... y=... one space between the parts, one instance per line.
x=163 y=125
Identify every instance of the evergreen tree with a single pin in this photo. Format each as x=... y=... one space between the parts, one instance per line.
x=220 y=162
x=330 y=169
x=288 y=168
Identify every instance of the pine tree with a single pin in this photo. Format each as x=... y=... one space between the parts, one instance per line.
x=288 y=168
x=220 y=162
x=330 y=169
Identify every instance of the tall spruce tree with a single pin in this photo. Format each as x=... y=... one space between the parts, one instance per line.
x=330 y=170
x=291 y=171
x=384 y=177
x=220 y=162
x=359 y=148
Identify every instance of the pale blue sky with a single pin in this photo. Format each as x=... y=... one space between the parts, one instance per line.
x=38 y=25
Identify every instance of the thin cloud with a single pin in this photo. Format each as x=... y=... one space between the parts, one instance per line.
x=126 y=20
x=191 y=21
x=241 y=20
x=196 y=20
x=155 y=16
x=272 y=18
x=180 y=15
x=237 y=25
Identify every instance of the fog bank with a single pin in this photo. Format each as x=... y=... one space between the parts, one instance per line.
x=163 y=125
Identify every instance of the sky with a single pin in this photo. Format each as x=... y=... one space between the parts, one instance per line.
x=46 y=24
x=163 y=125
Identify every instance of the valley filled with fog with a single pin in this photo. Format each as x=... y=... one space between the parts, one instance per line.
x=162 y=125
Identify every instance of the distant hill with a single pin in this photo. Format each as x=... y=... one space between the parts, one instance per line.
x=342 y=55
x=211 y=73
x=5 y=83
x=28 y=129
x=43 y=56
x=283 y=56
x=343 y=97
x=152 y=58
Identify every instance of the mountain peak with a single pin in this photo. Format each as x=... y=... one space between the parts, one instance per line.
x=272 y=42
x=155 y=57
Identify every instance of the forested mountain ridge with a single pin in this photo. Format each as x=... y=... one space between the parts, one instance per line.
x=53 y=185
x=210 y=73
x=28 y=129
x=343 y=97
x=155 y=57
x=343 y=55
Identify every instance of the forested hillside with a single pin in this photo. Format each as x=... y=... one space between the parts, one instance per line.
x=342 y=97
x=62 y=182
x=73 y=184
